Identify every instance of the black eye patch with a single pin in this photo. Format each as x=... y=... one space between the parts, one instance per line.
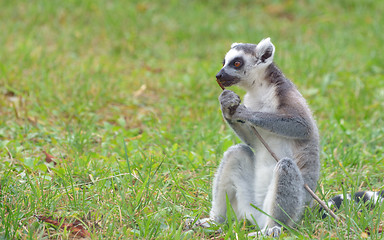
x=223 y=62
x=237 y=63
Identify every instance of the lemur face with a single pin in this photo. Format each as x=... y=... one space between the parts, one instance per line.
x=243 y=61
x=236 y=63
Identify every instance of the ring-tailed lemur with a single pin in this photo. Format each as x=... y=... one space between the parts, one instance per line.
x=248 y=175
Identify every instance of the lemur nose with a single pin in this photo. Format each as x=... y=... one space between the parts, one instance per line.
x=219 y=75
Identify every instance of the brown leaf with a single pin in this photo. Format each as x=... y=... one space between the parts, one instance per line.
x=368 y=230
x=153 y=70
x=133 y=138
x=364 y=235
x=33 y=120
x=75 y=228
x=140 y=91
x=9 y=93
x=49 y=158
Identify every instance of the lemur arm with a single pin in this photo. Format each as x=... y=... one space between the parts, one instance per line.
x=289 y=126
x=243 y=131
x=237 y=115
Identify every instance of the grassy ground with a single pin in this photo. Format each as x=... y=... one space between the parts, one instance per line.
x=123 y=95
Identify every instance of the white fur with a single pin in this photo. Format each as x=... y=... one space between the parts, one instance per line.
x=262 y=46
x=375 y=197
x=234 y=44
x=261 y=98
x=231 y=54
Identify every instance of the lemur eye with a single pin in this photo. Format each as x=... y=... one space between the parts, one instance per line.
x=237 y=64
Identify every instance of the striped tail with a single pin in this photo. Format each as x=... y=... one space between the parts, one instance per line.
x=367 y=198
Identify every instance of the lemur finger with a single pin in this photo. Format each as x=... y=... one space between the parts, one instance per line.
x=229 y=99
x=229 y=106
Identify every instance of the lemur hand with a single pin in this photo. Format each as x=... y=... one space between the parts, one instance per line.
x=229 y=102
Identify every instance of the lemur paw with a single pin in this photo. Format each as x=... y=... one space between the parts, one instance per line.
x=204 y=223
x=273 y=232
x=229 y=102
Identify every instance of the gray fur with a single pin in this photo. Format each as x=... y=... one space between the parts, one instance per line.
x=290 y=184
x=233 y=173
x=290 y=126
x=247 y=48
x=247 y=173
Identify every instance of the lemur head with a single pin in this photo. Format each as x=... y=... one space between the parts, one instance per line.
x=245 y=62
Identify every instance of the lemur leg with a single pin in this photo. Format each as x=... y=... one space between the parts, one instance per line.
x=234 y=179
x=285 y=197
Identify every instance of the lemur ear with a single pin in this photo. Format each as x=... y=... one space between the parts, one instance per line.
x=265 y=51
x=234 y=44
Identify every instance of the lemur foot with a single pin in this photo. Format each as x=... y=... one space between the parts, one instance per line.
x=203 y=223
x=273 y=232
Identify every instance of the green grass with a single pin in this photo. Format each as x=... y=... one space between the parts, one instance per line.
x=136 y=163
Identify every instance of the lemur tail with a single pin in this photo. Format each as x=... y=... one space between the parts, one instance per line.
x=367 y=198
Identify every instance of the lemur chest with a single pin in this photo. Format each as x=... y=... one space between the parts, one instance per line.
x=265 y=99
x=281 y=146
x=262 y=99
